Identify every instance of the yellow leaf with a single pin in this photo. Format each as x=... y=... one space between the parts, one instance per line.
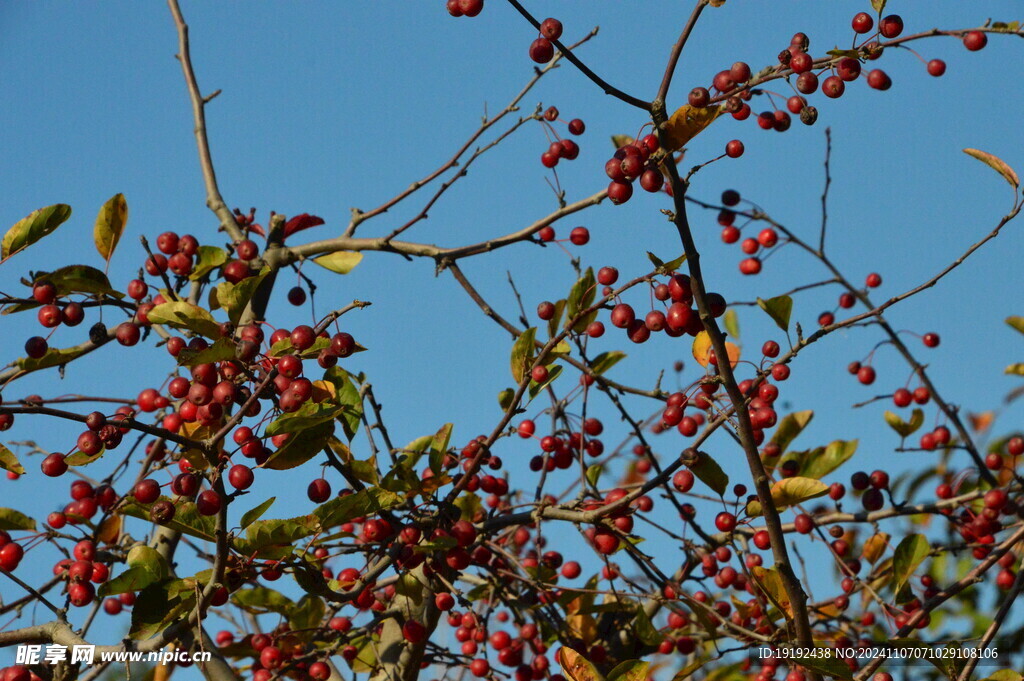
x=702 y=350
x=109 y=530
x=997 y=164
x=341 y=262
x=583 y=627
x=110 y=224
x=874 y=547
x=576 y=667
x=324 y=390
x=771 y=583
x=686 y=123
x=982 y=421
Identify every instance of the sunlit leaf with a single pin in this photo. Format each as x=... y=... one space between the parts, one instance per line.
x=874 y=547
x=605 y=361
x=254 y=514
x=576 y=667
x=710 y=473
x=110 y=225
x=181 y=314
x=997 y=164
x=208 y=258
x=779 y=309
x=904 y=428
x=789 y=492
x=790 y=427
x=522 y=354
x=341 y=262
x=15 y=520
x=686 y=123
x=770 y=582
x=910 y=553
x=32 y=228
x=732 y=323
x=9 y=462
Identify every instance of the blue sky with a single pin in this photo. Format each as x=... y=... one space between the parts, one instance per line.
x=327 y=106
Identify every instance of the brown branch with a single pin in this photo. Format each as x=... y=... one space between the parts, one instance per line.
x=677 y=50
x=213 y=198
x=279 y=256
x=584 y=69
x=744 y=430
x=359 y=217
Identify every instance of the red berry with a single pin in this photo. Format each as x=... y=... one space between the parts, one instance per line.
x=890 y=26
x=975 y=40
x=936 y=67
x=542 y=51
x=862 y=22
x=551 y=28
x=734 y=149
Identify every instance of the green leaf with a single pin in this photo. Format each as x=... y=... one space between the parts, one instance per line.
x=621 y=140
x=645 y=629
x=779 y=309
x=254 y=514
x=259 y=600
x=367 y=502
x=505 y=398
x=261 y=535
x=554 y=371
x=32 y=228
x=15 y=520
x=732 y=323
x=522 y=354
x=605 y=361
x=410 y=587
x=145 y=566
x=594 y=473
x=155 y=608
x=581 y=297
x=341 y=262
x=630 y=670
x=110 y=225
x=469 y=505
x=879 y=5
x=208 y=258
x=285 y=347
x=1005 y=675
x=53 y=357
x=439 y=447
x=308 y=415
x=905 y=428
x=307 y=613
x=300 y=447
x=235 y=297
x=790 y=427
x=365 y=660
x=853 y=54
x=909 y=554
x=83 y=459
x=347 y=394
x=78 y=279
x=818 y=462
x=789 y=492
x=9 y=462
x=187 y=519
x=996 y=164
x=181 y=314
x=222 y=349
x=555 y=323
x=666 y=267
x=1016 y=322
x=710 y=473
